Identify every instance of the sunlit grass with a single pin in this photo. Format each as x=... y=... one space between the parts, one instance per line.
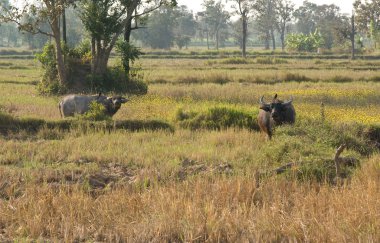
x=45 y=190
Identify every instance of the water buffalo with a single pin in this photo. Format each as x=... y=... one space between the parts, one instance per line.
x=80 y=104
x=275 y=113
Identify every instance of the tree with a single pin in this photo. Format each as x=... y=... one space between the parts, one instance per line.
x=285 y=10
x=326 y=18
x=302 y=42
x=184 y=28
x=244 y=8
x=167 y=26
x=368 y=18
x=134 y=14
x=216 y=19
x=266 y=20
x=106 y=20
x=159 y=33
x=39 y=12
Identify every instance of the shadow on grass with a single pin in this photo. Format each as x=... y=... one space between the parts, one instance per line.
x=31 y=126
x=18 y=82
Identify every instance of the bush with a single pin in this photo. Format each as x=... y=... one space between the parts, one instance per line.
x=116 y=81
x=83 y=50
x=49 y=83
x=302 y=42
x=216 y=118
x=97 y=112
x=50 y=88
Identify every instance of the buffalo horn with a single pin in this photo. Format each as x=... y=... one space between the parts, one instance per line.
x=262 y=100
x=289 y=101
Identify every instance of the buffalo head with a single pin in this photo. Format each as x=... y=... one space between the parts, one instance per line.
x=113 y=103
x=275 y=113
x=280 y=111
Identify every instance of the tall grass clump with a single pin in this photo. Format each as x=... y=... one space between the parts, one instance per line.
x=216 y=118
x=235 y=60
x=295 y=77
x=218 y=79
x=270 y=60
x=341 y=79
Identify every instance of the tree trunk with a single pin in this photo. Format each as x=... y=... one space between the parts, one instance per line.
x=93 y=55
x=208 y=43
x=244 y=41
x=282 y=41
x=283 y=27
x=59 y=54
x=273 y=39
x=127 y=37
x=267 y=38
x=64 y=36
x=353 y=37
x=217 y=39
x=128 y=31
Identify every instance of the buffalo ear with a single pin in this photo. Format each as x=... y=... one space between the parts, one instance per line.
x=265 y=108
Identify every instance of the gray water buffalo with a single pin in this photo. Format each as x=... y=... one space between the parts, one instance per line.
x=80 y=104
x=275 y=113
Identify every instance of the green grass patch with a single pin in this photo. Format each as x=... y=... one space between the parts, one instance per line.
x=216 y=118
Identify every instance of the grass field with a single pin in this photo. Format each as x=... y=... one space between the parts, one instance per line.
x=215 y=183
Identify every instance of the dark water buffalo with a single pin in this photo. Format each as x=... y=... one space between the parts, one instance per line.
x=275 y=113
x=80 y=104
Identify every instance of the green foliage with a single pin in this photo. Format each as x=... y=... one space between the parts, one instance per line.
x=97 y=112
x=136 y=85
x=216 y=118
x=182 y=41
x=129 y=53
x=115 y=80
x=302 y=42
x=49 y=83
x=82 y=51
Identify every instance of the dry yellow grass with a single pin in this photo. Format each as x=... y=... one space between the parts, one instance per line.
x=201 y=209
x=46 y=192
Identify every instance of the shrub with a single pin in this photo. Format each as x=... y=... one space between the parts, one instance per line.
x=302 y=42
x=97 y=112
x=116 y=81
x=49 y=83
x=82 y=51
